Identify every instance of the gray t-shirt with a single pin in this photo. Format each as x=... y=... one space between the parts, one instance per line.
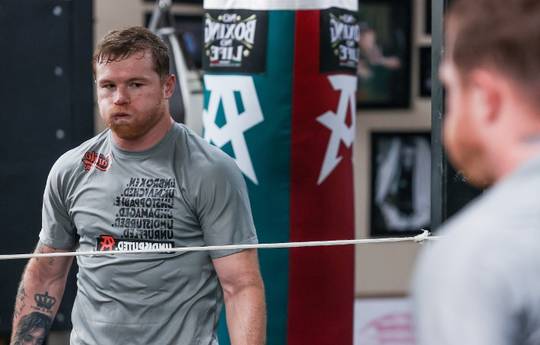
x=480 y=283
x=181 y=192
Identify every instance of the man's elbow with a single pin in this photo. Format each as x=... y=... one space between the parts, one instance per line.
x=237 y=286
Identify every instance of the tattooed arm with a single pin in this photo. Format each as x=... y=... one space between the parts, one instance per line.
x=40 y=292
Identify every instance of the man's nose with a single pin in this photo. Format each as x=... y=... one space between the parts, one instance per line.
x=121 y=96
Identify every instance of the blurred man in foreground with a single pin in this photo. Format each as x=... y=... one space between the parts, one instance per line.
x=480 y=284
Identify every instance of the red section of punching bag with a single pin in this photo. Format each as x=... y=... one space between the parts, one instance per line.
x=321 y=281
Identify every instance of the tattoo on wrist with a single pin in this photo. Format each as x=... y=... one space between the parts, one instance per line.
x=44 y=302
x=32 y=329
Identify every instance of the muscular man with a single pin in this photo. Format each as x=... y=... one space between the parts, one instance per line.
x=480 y=284
x=146 y=182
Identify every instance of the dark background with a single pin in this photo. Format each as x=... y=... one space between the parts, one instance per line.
x=47 y=108
x=425 y=80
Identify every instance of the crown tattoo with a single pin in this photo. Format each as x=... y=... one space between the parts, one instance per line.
x=44 y=300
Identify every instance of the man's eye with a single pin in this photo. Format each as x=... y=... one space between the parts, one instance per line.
x=107 y=86
x=136 y=85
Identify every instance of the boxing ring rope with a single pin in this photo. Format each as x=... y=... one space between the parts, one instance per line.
x=425 y=235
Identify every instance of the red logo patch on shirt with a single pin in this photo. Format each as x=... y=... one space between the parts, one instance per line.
x=92 y=158
x=106 y=242
x=109 y=243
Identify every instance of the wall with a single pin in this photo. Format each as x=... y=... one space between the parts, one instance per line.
x=385 y=269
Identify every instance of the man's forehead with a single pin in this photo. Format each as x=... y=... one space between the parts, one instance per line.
x=134 y=65
x=111 y=57
x=117 y=76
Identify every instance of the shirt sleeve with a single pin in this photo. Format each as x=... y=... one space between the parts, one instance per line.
x=57 y=229
x=223 y=207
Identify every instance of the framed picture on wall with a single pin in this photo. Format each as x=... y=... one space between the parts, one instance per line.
x=380 y=321
x=400 y=183
x=425 y=72
x=385 y=49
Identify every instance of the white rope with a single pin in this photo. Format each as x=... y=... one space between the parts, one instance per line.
x=418 y=239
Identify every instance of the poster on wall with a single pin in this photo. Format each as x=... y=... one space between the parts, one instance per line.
x=383 y=321
x=384 y=61
x=400 y=183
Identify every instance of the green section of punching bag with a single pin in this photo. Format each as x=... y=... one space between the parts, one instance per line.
x=269 y=149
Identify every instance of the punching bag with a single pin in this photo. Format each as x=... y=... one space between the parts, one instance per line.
x=279 y=97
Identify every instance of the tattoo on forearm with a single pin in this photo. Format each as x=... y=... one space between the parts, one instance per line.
x=32 y=329
x=20 y=300
x=39 y=250
x=44 y=302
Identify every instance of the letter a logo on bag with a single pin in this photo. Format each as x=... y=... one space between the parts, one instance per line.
x=237 y=96
x=336 y=122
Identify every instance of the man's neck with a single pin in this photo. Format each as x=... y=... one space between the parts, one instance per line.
x=518 y=153
x=151 y=138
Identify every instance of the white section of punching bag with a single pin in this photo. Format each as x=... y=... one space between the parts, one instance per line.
x=267 y=5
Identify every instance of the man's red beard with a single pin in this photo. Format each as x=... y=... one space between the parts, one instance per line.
x=137 y=127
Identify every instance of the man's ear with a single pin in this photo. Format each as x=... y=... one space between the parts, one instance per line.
x=168 y=86
x=487 y=89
